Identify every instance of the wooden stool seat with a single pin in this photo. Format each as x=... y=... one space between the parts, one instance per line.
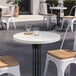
x=62 y=54
x=6 y=15
x=69 y=17
x=50 y=14
x=7 y=61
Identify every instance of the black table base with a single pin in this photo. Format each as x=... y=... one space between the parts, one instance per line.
x=1 y=19
x=36 y=59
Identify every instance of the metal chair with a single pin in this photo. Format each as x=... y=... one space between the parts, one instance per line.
x=8 y=18
x=70 y=20
x=50 y=18
x=62 y=59
x=9 y=65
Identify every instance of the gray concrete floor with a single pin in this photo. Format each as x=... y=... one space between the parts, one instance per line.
x=23 y=53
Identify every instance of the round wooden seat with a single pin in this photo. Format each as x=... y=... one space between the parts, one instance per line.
x=69 y=17
x=62 y=54
x=7 y=61
x=6 y=15
x=50 y=14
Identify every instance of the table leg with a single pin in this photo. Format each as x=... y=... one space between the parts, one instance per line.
x=58 y=18
x=36 y=59
x=1 y=19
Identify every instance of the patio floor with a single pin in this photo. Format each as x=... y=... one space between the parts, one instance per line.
x=23 y=52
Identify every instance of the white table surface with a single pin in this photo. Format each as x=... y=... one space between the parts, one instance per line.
x=36 y=40
x=43 y=37
x=58 y=7
x=4 y=6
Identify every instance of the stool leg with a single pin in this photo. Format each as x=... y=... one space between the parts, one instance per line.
x=17 y=73
x=44 y=19
x=61 y=68
x=68 y=70
x=46 y=66
x=14 y=70
x=48 y=21
x=14 y=24
x=71 y=27
x=7 y=25
x=62 y=24
x=60 y=72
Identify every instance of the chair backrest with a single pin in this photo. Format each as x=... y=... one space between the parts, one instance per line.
x=75 y=12
x=74 y=45
x=49 y=8
x=12 y=10
x=73 y=8
x=42 y=8
x=16 y=12
x=64 y=37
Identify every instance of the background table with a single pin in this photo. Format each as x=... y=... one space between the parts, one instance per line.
x=2 y=7
x=59 y=19
x=58 y=8
x=43 y=37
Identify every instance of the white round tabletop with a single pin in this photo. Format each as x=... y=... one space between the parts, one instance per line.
x=4 y=6
x=58 y=8
x=43 y=37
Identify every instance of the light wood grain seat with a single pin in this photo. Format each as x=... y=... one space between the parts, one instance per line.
x=6 y=15
x=62 y=54
x=50 y=14
x=69 y=17
x=7 y=61
x=8 y=64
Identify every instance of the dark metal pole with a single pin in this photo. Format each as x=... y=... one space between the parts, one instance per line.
x=1 y=18
x=36 y=60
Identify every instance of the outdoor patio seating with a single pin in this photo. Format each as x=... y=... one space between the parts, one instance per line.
x=7 y=18
x=62 y=59
x=49 y=17
x=70 y=20
x=10 y=65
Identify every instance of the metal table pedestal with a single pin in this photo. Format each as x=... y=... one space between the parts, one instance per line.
x=36 y=59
